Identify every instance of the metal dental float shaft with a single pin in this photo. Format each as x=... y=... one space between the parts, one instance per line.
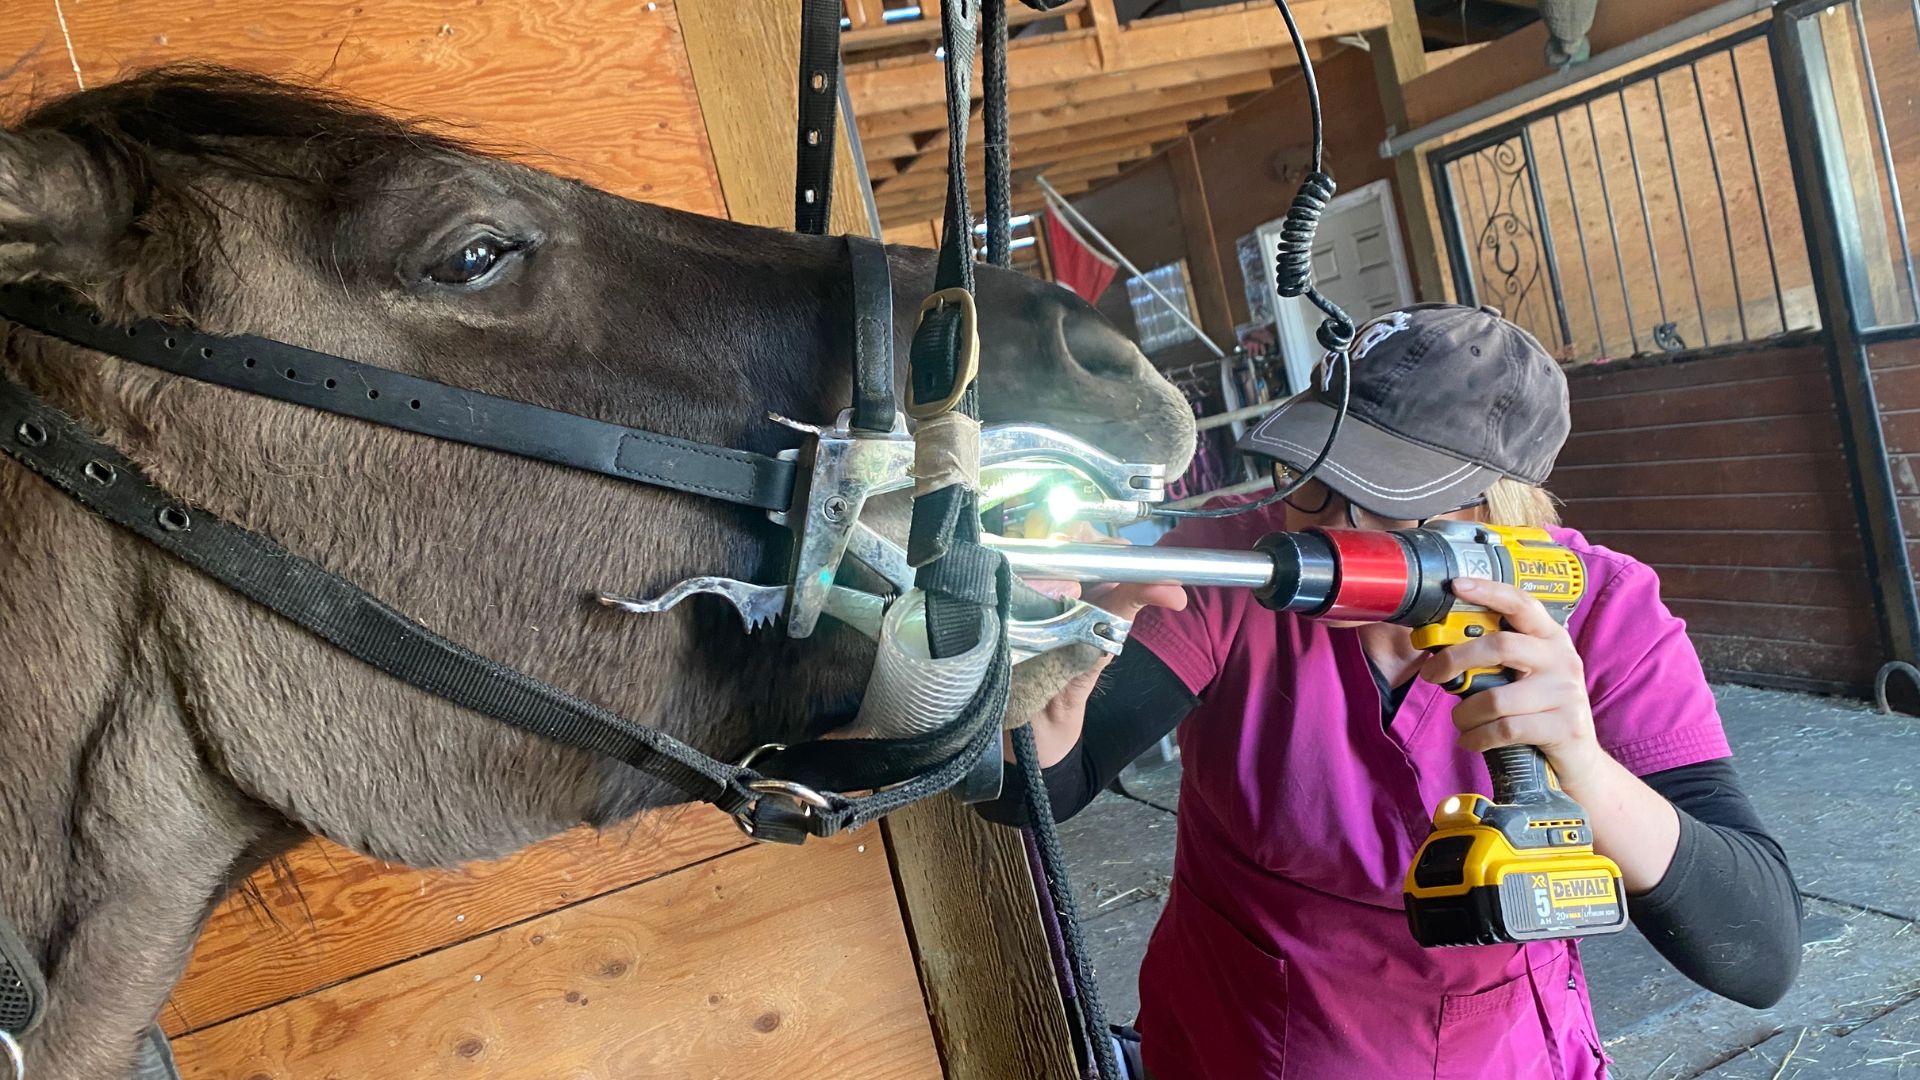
x=1288 y=571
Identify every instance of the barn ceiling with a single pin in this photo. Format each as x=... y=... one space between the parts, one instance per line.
x=1095 y=86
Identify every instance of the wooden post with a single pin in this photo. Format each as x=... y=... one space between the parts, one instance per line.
x=985 y=966
x=745 y=56
x=1106 y=30
x=1398 y=58
x=1210 y=304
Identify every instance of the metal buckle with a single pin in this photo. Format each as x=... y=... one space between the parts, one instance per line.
x=969 y=367
x=805 y=799
x=16 y=1061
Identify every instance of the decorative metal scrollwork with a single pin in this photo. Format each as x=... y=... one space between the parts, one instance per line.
x=1507 y=250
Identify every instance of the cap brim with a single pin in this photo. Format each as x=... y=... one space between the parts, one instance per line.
x=1378 y=471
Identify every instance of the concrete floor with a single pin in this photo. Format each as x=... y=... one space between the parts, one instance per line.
x=1837 y=783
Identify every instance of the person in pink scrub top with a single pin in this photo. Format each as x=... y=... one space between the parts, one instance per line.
x=1314 y=754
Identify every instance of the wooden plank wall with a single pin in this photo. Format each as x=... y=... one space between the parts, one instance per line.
x=1726 y=474
x=664 y=948
x=614 y=107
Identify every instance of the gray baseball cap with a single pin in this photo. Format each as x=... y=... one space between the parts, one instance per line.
x=1446 y=399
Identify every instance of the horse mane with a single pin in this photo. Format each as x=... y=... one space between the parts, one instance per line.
x=245 y=122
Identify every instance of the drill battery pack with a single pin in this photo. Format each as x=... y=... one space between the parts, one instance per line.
x=1502 y=873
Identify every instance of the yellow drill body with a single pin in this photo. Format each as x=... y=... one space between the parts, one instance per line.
x=1521 y=865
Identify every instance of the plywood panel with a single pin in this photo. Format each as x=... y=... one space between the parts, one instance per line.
x=695 y=975
x=598 y=89
x=340 y=915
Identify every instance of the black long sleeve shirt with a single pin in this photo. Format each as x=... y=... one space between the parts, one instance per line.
x=1726 y=914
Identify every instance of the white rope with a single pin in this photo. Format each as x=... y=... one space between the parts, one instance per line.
x=72 y=58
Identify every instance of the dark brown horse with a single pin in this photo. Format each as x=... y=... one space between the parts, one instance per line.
x=160 y=736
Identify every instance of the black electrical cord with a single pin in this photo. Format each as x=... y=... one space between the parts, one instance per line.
x=1293 y=276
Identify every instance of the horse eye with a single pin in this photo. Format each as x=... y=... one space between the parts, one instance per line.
x=475 y=260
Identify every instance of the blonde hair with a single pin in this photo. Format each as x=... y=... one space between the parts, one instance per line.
x=1515 y=502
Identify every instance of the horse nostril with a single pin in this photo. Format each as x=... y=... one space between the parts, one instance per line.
x=1099 y=349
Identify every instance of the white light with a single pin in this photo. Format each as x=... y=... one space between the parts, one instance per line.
x=1062 y=503
x=1451 y=806
x=1014 y=222
x=900 y=15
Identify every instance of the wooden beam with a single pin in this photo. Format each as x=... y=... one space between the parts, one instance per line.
x=731 y=47
x=881 y=149
x=880 y=117
x=985 y=967
x=1025 y=145
x=1106 y=31
x=1036 y=159
x=1218 y=31
x=1520 y=57
x=1024 y=190
x=1204 y=36
x=933 y=194
x=1398 y=58
x=895 y=154
x=879 y=35
x=1209 y=280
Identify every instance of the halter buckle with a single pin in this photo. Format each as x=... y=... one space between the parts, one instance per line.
x=784 y=820
x=967 y=365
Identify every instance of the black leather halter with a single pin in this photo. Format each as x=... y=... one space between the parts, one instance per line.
x=59 y=449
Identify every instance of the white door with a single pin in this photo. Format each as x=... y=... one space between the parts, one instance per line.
x=1358 y=263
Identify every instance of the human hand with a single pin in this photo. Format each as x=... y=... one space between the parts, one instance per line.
x=1545 y=705
x=1056 y=728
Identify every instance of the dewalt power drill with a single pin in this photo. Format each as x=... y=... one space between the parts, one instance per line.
x=1519 y=866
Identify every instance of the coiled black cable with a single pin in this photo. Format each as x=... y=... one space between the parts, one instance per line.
x=1293 y=276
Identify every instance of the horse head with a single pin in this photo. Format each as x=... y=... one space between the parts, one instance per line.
x=170 y=733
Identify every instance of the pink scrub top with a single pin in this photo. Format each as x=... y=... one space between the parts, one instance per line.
x=1284 y=949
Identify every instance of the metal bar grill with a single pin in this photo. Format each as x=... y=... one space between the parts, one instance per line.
x=1514 y=241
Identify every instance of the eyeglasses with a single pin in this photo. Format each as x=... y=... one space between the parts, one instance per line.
x=1321 y=496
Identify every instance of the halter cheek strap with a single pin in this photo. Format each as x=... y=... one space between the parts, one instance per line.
x=335 y=384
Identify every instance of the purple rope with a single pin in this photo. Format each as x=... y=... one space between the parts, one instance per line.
x=1049 y=918
x=1057 y=945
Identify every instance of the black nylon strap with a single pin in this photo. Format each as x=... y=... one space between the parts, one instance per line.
x=337 y=385
x=55 y=447
x=873 y=405
x=996 y=145
x=51 y=444
x=819 y=102
x=956 y=242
